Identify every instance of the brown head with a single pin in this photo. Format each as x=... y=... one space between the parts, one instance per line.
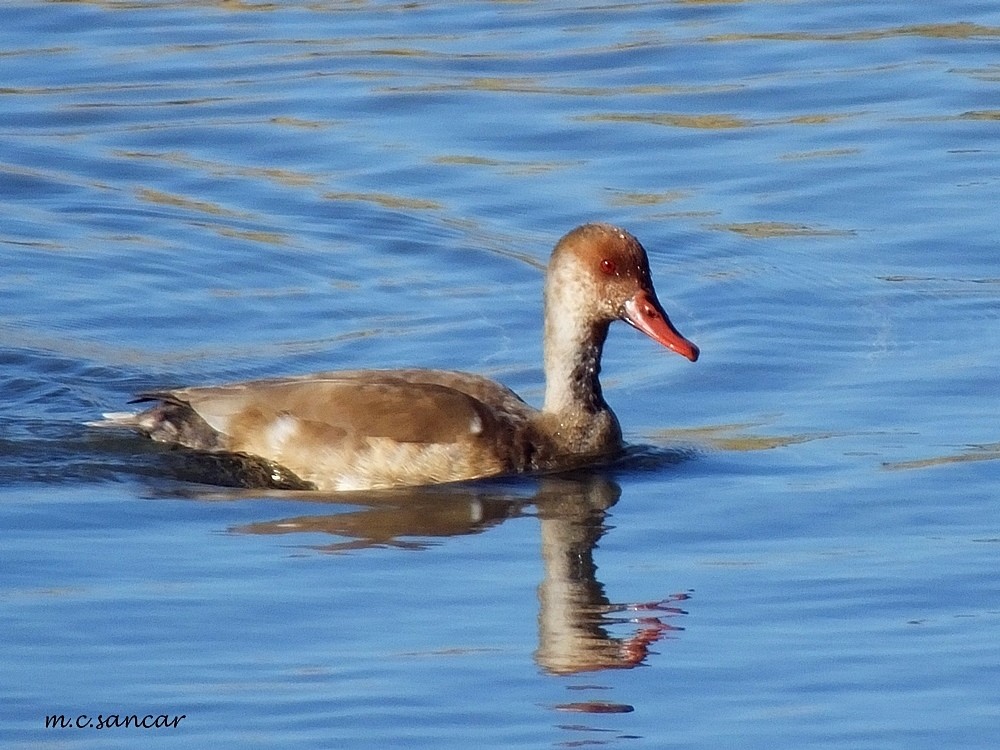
x=605 y=269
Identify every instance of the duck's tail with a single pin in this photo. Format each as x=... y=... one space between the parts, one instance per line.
x=117 y=420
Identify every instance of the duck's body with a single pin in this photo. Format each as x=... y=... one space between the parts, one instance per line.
x=367 y=429
x=344 y=431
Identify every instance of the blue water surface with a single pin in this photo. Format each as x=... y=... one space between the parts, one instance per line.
x=802 y=547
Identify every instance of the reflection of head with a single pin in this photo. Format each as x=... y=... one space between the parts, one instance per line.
x=574 y=611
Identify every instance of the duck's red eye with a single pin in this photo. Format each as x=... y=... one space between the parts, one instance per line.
x=608 y=266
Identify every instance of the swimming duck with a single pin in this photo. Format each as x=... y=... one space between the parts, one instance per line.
x=373 y=429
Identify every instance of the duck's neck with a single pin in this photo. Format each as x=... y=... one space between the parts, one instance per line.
x=575 y=416
x=573 y=348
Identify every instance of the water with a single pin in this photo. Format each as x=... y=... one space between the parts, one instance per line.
x=803 y=549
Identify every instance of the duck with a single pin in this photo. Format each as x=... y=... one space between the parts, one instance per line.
x=377 y=429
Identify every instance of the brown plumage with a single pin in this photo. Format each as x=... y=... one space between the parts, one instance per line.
x=366 y=429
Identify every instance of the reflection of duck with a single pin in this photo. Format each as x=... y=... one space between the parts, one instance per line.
x=574 y=612
x=374 y=429
x=405 y=520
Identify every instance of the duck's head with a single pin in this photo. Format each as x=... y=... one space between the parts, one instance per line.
x=602 y=273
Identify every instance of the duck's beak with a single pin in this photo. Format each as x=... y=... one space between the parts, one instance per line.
x=643 y=311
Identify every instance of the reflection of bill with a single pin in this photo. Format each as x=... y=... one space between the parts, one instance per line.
x=576 y=621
